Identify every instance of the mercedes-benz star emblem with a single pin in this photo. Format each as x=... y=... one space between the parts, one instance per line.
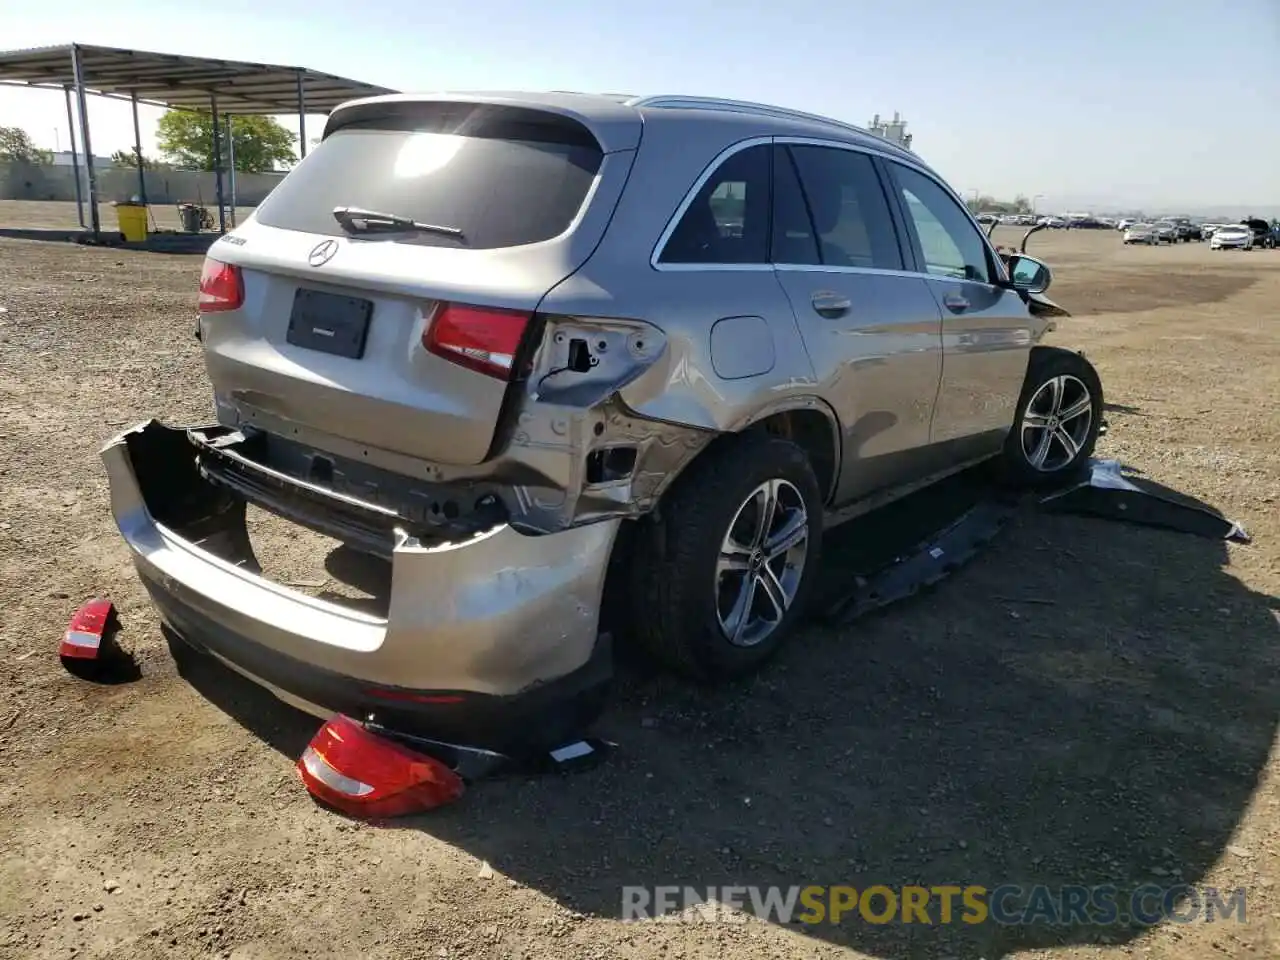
x=322 y=253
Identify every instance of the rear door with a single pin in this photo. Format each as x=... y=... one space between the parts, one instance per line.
x=987 y=330
x=872 y=329
x=407 y=340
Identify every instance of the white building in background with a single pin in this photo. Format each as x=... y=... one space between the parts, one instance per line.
x=62 y=158
x=894 y=130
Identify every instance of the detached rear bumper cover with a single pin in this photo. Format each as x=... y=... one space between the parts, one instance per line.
x=500 y=614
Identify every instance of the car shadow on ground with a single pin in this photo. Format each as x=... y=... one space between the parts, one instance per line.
x=1087 y=703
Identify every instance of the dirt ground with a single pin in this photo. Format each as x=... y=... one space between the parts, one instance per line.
x=53 y=215
x=1086 y=703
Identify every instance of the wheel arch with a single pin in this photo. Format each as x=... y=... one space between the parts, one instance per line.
x=1042 y=351
x=810 y=423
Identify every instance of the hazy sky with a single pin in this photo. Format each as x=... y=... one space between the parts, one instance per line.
x=1086 y=102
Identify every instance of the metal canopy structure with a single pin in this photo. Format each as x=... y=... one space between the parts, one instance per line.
x=176 y=81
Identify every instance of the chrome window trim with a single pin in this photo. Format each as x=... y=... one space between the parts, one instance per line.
x=823 y=268
x=729 y=151
x=696 y=267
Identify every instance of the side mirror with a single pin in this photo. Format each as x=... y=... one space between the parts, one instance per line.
x=1029 y=274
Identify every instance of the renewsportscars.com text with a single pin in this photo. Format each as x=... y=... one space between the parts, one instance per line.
x=1008 y=904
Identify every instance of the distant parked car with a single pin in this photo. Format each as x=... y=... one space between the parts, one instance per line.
x=1141 y=233
x=1207 y=230
x=1232 y=236
x=1053 y=222
x=1166 y=231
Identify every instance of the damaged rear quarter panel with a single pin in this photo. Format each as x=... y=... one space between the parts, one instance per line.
x=573 y=406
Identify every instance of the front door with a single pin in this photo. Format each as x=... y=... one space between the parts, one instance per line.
x=873 y=330
x=987 y=330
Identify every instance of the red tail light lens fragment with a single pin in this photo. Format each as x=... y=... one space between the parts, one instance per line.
x=85 y=632
x=221 y=287
x=483 y=339
x=367 y=776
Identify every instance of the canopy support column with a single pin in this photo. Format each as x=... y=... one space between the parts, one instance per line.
x=217 y=163
x=75 y=159
x=78 y=72
x=137 y=146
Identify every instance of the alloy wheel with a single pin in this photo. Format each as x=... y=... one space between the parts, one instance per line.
x=1056 y=423
x=761 y=562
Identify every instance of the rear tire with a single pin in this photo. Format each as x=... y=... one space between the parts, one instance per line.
x=715 y=592
x=1057 y=419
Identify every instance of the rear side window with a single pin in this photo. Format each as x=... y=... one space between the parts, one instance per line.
x=502 y=180
x=850 y=212
x=728 y=220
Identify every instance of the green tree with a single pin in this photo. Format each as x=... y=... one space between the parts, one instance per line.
x=129 y=158
x=16 y=144
x=185 y=137
x=982 y=203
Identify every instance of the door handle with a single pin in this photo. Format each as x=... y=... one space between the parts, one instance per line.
x=956 y=303
x=830 y=305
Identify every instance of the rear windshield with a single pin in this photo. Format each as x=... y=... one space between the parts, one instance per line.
x=502 y=180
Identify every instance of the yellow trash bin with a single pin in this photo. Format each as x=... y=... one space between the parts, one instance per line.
x=132 y=218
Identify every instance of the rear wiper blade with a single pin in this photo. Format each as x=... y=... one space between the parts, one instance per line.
x=359 y=220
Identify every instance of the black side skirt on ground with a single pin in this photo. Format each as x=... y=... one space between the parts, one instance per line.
x=896 y=552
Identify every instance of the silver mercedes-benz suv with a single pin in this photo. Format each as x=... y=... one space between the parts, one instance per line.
x=526 y=350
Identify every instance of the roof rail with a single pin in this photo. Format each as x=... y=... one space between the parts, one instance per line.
x=624 y=98
x=741 y=106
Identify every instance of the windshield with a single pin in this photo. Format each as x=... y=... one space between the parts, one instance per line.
x=491 y=190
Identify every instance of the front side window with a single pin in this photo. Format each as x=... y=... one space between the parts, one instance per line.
x=728 y=220
x=949 y=242
x=850 y=213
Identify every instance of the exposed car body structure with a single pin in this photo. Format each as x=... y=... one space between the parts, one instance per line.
x=528 y=348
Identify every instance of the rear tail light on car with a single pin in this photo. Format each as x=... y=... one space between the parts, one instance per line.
x=483 y=339
x=365 y=775
x=221 y=287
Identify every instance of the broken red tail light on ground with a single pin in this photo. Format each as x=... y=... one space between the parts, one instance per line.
x=368 y=776
x=479 y=338
x=221 y=287
x=84 y=637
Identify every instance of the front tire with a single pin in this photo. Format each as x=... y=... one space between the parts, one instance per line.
x=722 y=577
x=1057 y=419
